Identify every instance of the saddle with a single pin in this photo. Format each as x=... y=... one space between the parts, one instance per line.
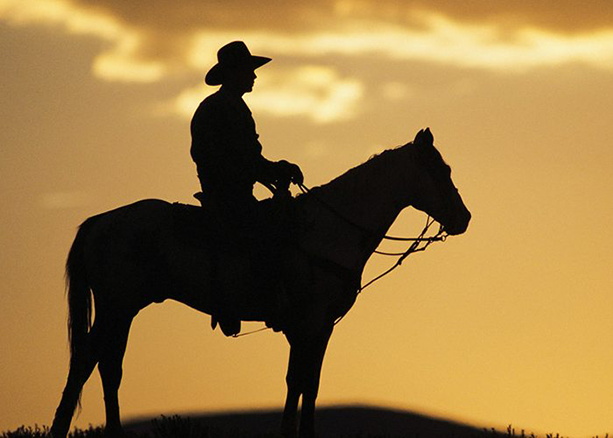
x=195 y=226
x=257 y=262
x=201 y=226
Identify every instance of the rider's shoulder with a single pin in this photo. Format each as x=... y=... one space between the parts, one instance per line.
x=216 y=98
x=212 y=105
x=215 y=101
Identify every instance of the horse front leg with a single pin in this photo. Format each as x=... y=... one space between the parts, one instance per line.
x=311 y=386
x=306 y=359
x=289 y=424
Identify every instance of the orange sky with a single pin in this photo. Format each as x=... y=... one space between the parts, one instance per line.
x=509 y=323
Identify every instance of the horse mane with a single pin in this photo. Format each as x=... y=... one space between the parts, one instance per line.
x=366 y=170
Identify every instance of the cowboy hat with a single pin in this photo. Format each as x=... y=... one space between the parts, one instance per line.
x=232 y=56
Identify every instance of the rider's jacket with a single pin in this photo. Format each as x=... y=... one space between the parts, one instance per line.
x=225 y=144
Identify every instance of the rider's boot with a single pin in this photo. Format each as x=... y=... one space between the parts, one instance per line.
x=229 y=326
x=278 y=305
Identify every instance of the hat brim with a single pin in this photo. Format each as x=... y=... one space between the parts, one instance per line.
x=215 y=75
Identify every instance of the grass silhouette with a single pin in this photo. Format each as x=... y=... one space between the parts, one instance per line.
x=341 y=422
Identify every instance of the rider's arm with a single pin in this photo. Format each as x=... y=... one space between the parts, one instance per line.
x=275 y=172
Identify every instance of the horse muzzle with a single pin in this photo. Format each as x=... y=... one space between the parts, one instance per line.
x=459 y=224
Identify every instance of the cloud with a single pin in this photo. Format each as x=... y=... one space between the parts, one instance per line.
x=316 y=92
x=187 y=15
x=149 y=41
x=123 y=61
x=440 y=40
x=561 y=16
x=313 y=91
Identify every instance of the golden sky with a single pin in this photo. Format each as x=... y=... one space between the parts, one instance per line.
x=510 y=323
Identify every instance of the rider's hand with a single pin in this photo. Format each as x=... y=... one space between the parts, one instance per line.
x=292 y=171
x=297 y=177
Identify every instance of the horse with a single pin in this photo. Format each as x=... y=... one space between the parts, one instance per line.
x=129 y=257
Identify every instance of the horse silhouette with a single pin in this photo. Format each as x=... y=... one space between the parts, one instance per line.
x=130 y=257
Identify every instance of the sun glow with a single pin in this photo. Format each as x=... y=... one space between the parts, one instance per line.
x=119 y=63
x=438 y=39
x=316 y=92
x=441 y=40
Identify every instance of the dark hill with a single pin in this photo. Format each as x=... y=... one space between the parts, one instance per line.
x=341 y=421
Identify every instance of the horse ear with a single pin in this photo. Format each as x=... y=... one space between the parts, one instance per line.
x=419 y=137
x=424 y=137
x=428 y=137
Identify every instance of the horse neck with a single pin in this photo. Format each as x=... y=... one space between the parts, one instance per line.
x=367 y=197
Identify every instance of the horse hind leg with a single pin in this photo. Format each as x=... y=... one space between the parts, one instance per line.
x=110 y=368
x=82 y=364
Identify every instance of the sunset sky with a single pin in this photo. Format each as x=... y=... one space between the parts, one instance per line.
x=511 y=322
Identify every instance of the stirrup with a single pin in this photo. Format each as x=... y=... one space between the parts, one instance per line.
x=229 y=326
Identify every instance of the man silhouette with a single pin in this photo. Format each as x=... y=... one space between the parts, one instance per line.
x=228 y=156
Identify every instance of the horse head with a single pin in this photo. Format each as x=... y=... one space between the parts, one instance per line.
x=435 y=192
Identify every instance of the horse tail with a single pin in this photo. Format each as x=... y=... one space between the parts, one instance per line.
x=78 y=291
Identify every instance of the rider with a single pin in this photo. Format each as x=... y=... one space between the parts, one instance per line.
x=229 y=159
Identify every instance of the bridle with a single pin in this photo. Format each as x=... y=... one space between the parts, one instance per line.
x=418 y=244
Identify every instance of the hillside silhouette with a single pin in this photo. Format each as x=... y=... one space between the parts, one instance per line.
x=337 y=421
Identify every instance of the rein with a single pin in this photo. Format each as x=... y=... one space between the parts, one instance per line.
x=413 y=248
x=439 y=237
